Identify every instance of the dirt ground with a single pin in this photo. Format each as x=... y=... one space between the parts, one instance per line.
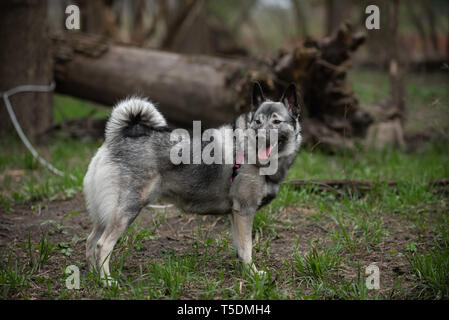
x=295 y=227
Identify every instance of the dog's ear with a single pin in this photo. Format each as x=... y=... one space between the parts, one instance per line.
x=291 y=101
x=257 y=97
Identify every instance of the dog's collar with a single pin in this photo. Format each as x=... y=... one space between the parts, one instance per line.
x=235 y=169
x=237 y=165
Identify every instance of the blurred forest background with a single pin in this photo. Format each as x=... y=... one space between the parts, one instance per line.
x=231 y=43
x=252 y=27
x=313 y=43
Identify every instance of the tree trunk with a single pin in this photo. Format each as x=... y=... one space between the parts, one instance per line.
x=215 y=90
x=138 y=30
x=91 y=13
x=25 y=59
x=175 y=23
x=396 y=68
x=417 y=21
x=300 y=9
x=336 y=13
x=389 y=129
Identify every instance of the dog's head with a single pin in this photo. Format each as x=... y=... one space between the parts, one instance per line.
x=276 y=124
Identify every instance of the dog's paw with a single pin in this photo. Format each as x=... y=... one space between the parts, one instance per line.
x=257 y=273
x=110 y=283
x=261 y=273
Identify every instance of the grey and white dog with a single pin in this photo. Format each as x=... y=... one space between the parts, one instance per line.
x=133 y=168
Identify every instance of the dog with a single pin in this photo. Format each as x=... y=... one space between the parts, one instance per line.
x=134 y=167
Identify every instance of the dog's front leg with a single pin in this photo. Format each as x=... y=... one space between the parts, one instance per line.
x=242 y=226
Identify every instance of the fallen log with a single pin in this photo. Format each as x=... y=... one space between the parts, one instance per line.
x=215 y=90
x=338 y=184
x=358 y=186
x=184 y=87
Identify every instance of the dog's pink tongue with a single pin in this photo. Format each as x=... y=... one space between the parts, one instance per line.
x=264 y=154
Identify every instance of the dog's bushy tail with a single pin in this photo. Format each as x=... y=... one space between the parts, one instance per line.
x=133 y=117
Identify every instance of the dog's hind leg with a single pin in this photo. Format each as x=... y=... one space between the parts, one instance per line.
x=112 y=232
x=91 y=243
x=131 y=202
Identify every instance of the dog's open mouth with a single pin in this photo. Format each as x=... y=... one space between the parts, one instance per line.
x=264 y=153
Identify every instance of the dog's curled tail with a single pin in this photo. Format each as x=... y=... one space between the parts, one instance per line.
x=133 y=117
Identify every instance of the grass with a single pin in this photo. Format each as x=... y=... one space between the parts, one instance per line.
x=66 y=107
x=355 y=228
x=311 y=244
x=431 y=272
x=24 y=180
x=375 y=165
x=318 y=264
x=44 y=251
x=430 y=267
x=14 y=277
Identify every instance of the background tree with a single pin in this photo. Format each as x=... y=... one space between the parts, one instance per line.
x=336 y=13
x=25 y=59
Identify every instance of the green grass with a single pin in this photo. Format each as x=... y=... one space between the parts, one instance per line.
x=14 y=277
x=40 y=253
x=431 y=267
x=375 y=165
x=431 y=272
x=66 y=108
x=318 y=264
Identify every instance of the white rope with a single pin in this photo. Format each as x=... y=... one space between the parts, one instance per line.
x=26 y=142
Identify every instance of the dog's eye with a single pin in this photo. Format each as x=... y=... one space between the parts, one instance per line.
x=277 y=121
